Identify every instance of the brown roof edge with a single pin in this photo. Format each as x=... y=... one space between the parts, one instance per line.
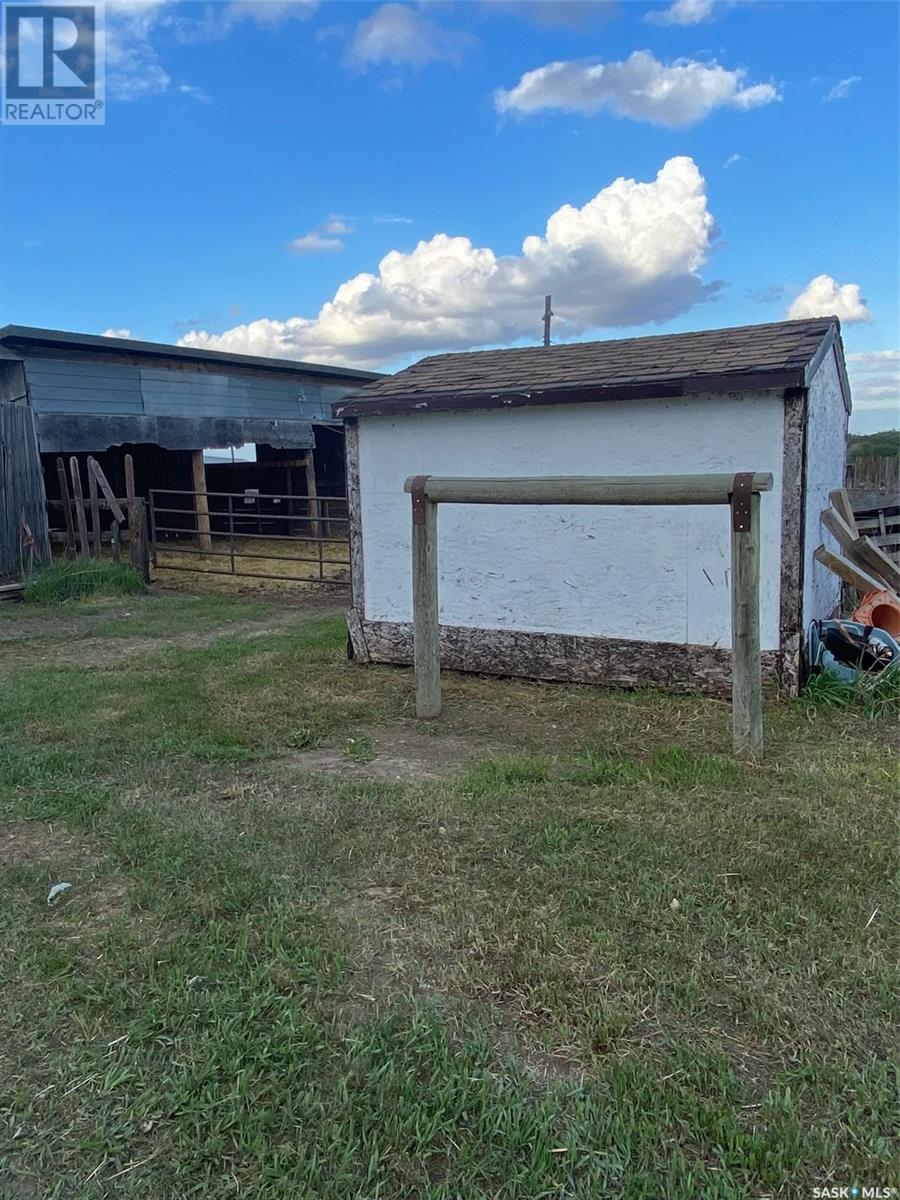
x=644 y=390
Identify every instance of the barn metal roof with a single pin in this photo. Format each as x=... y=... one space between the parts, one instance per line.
x=780 y=355
x=25 y=338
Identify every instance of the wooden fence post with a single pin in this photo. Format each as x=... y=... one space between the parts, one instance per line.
x=201 y=502
x=746 y=666
x=312 y=503
x=142 y=563
x=78 y=494
x=94 y=496
x=426 y=629
x=135 y=546
x=71 y=548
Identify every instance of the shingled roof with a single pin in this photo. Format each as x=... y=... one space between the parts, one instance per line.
x=780 y=355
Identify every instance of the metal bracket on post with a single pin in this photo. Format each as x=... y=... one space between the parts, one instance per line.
x=740 y=501
x=417 y=491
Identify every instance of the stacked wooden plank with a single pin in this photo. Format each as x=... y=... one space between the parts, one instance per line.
x=861 y=563
x=882 y=525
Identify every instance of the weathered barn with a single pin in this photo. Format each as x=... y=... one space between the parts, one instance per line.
x=619 y=595
x=164 y=405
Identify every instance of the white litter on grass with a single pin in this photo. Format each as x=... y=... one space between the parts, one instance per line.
x=57 y=890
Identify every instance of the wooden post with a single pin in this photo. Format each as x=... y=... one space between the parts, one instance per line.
x=67 y=506
x=94 y=494
x=426 y=628
x=143 y=539
x=80 y=517
x=201 y=502
x=309 y=463
x=746 y=666
x=548 y=314
x=134 y=516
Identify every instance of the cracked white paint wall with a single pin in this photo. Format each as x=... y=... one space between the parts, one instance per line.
x=660 y=574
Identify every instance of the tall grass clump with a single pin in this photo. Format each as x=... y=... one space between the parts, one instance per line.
x=873 y=695
x=81 y=579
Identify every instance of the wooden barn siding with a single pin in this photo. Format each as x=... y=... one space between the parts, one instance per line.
x=91 y=388
x=21 y=487
x=12 y=381
x=59 y=386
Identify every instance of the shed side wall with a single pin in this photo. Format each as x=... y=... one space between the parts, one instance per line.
x=826 y=453
x=659 y=574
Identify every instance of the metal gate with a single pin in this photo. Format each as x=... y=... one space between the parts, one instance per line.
x=300 y=539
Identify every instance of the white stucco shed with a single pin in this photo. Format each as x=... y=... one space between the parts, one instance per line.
x=617 y=595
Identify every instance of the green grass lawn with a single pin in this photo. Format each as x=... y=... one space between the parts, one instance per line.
x=557 y=944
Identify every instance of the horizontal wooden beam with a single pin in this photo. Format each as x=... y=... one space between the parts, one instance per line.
x=587 y=489
x=840 y=502
x=848 y=571
x=878 y=563
x=839 y=528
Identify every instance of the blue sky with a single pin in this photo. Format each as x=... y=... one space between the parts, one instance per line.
x=259 y=161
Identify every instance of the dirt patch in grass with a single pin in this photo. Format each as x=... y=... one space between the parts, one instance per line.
x=25 y=842
x=397 y=754
x=105 y=899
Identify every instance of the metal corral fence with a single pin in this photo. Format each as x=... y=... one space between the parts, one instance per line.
x=293 y=538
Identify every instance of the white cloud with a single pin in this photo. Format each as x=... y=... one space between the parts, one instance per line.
x=134 y=67
x=325 y=238
x=824 y=297
x=732 y=160
x=267 y=12
x=673 y=94
x=875 y=380
x=219 y=19
x=315 y=243
x=632 y=254
x=682 y=12
x=336 y=224
x=196 y=93
x=117 y=333
x=403 y=36
x=390 y=219
x=841 y=89
x=565 y=14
